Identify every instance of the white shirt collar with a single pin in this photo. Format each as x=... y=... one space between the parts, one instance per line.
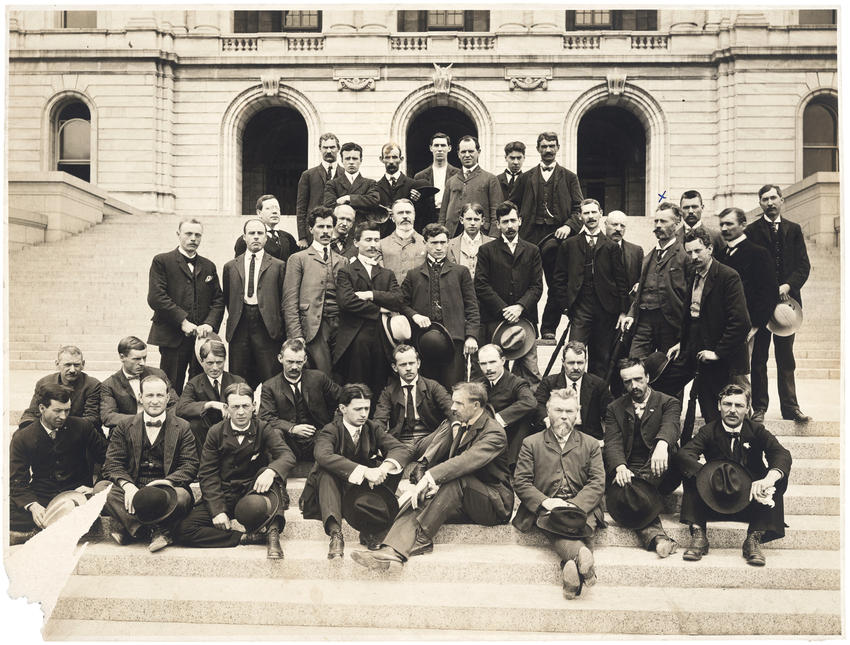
x=772 y=222
x=148 y=417
x=395 y=176
x=211 y=380
x=186 y=255
x=585 y=231
x=237 y=429
x=367 y=262
x=327 y=165
x=352 y=430
x=733 y=243
x=432 y=259
x=129 y=376
x=472 y=240
x=691 y=228
x=404 y=238
x=509 y=242
x=645 y=400
x=46 y=429
x=468 y=171
x=298 y=382
x=543 y=166
x=570 y=382
x=413 y=382
x=496 y=382
x=321 y=249
x=259 y=255
x=666 y=246
x=352 y=178
x=728 y=429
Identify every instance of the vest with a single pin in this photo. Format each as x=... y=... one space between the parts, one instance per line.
x=546 y=199
x=434 y=289
x=640 y=451
x=650 y=295
x=151 y=463
x=587 y=280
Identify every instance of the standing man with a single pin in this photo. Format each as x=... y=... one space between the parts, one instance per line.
x=784 y=240
x=395 y=184
x=278 y=244
x=309 y=291
x=404 y=248
x=615 y=229
x=253 y=292
x=471 y=185
x=463 y=249
x=436 y=174
x=351 y=187
x=691 y=204
x=514 y=157
x=590 y=281
x=311 y=185
x=342 y=240
x=548 y=197
x=187 y=302
x=509 y=284
x=441 y=291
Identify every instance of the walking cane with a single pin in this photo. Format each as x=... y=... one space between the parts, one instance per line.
x=690 y=414
x=558 y=347
x=468 y=367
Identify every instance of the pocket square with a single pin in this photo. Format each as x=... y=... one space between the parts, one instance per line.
x=254 y=456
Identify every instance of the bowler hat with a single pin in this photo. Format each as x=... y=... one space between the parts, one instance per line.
x=786 y=319
x=515 y=339
x=199 y=342
x=724 y=486
x=154 y=502
x=427 y=191
x=396 y=327
x=435 y=344
x=371 y=510
x=61 y=505
x=255 y=510
x=569 y=521
x=634 y=505
x=655 y=364
x=545 y=239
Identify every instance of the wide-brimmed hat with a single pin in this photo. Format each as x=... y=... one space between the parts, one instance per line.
x=255 y=510
x=396 y=327
x=427 y=191
x=655 y=364
x=154 y=502
x=569 y=521
x=435 y=344
x=61 y=505
x=724 y=486
x=199 y=342
x=515 y=339
x=371 y=510
x=634 y=505
x=545 y=239
x=786 y=319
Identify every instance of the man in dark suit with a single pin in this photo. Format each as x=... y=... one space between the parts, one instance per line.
x=298 y=401
x=615 y=229
x=509 y=284
x=202 y=402
x=253 y=293
x=592 y=394
x=734 y=437
x=279 y=244
x=691 y=204
x=514 y=158
x=590 y=282
x=411 y=406
x=311 y=185
x=53 y=454
x=394 y=185
x=784 y=241
x=186 y=298
x=435 y=175
x=472 y=185
x=85 y=389
x=352 y=188
x=363 y=290
x=342 y=239
x=509 y=396
x=151 y=448
x=641 y=427
x=464 y=477
x=548 y=197
x=120 y=395
x=350 y=451
x=441 y=291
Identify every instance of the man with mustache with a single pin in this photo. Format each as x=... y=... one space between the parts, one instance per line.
x=472 y=184
x=311 y=185
x=404 y=248
x=691 y=204
x=279 y=244
x=615 y=229
x=395 y=185
x=350 y=187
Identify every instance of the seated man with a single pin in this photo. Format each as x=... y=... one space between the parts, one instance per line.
x=202 y=401
x=411 y=406
x=298 y=401
x=561 y=468
x=465 y=479
x=350 y=450
x=120 y=393
x=750 y=445
x=241 y=455
x=593 y=394
x=640 y=429
x=153 y=448
x=85 y=389
x=49 y=456
x=509 y=396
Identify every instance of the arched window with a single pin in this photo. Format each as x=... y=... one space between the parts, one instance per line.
x=73 y=140
x=820 y=135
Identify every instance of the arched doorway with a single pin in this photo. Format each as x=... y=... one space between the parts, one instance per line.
x=452 y=121
x=274 y=154
x=612 y=159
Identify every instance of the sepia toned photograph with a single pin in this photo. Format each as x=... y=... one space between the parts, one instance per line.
x=409 y=322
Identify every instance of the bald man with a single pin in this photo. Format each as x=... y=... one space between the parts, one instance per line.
x=343 y=237
x=615 y=229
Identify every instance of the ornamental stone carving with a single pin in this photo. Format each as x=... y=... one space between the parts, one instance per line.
x=271 y=85
x=356 y=80
x=442 y=79
x=616 y=82
x=528 y=79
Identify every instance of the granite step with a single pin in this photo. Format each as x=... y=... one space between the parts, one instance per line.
x=800 y=499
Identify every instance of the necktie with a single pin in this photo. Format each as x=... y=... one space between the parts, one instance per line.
x=575 y=387
x=591 y=240
x=466 y=172
x=53 y=435
x=251 y=269
x=392 y=182
x=548 y=168
x=735 y=445
x=240 y=433
x=776 y=227
x=329 y=175
x=325 y=254
x=456 y=441
x=153 y=424
x=215 y=387
x=511 y=180
x=409 y=408
x=729 y=251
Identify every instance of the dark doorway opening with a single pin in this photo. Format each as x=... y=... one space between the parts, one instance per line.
x=612 y=159
x=274 y=154
x=445 y=119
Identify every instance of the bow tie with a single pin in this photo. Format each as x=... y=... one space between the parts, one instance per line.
x=734 y=435
x=153 y=424
x=240 y=433
x=547 y=168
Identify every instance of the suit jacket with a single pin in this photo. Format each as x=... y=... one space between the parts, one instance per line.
x=754 y=265
x=279 y=244
x=502 y=177
x=433 y=404
x=482 y=187
x=364 y=195
x=197 y=391
x=304 y=290
x=176 y=294
x=717 y=241
x=795 y=259
x=566 y=197
x=427 y=209
x=724 y=322
x=457 y=295
x=117 y=401
x=347 y=248
x=594 y=398
x=503 y=278
x=180 y=457
x=541 y=467
x=660 y=421
x=41 y=468
x=609 y=273
x=632 y=261
x=228 y=468
x=455 y=254
x=672 y=283
x=388 y=194
x=311 y=193
x=511 y=398
x=85 y=399
x=269 y=290
x=277 y=406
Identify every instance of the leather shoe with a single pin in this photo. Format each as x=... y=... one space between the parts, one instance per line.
x=160 y=539
x=422 y=545
x=418 y=471
x=699 y=545
x=570 y=580
x=120 y=536
x=370 y=541
x=336 y=547
x=274 y=550
x=757 y=416
x=584 y=564
x=752 y=550
x=664 y=547
x=251 y=538
x=381 y=560
x=548 y=335
x=797 y=416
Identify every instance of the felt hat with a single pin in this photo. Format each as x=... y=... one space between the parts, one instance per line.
x=199 y=342
x=515 y=339
x=724 y=486
x=154 y=502
x=255 y=510
x=655 y=364
x=786 y=319
x=396 y=327
x=61 y=505
x=371 y=510
x=435 y=344
x=427 y=191
x=569 y=521
x=634 y=505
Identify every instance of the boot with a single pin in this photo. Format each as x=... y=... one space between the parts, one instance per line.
x=422 y=545
x=752 y=549
x=336 y=547
x=273 y=550
x=699 y=544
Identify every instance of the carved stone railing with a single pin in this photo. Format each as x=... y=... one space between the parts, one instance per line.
x=239 y=44
x=305 y=43
x=467 y=43
x=649 y=41
x=581 y=41
x=408 y=43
